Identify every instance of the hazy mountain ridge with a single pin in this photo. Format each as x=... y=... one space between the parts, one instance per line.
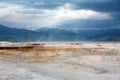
x=52 y=34
x=114 y=38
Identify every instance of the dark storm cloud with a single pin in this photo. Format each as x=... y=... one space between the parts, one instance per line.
x=106 y=12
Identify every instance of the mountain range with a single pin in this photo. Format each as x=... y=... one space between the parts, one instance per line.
x=54 y=34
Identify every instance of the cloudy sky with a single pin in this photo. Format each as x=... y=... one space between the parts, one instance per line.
x=64 y=14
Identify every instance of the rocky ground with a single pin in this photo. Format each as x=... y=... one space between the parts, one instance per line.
x=90 y=63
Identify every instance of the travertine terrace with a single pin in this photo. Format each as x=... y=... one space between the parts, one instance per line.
x=60 y=61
